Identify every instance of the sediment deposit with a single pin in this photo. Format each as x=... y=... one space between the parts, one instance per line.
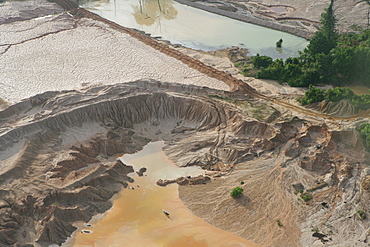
x=60 y=52
x=301 y=18
x=60 y=146
x=305 y=175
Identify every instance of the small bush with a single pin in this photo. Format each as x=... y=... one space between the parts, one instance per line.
x=306 y=196
x=236 y=192
x=261 y=61
x=279 y=223
x=361 y=214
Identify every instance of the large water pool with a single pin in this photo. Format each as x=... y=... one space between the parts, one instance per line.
x=195 y=28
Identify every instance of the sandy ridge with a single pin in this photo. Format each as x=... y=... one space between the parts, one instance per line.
x=208 y=70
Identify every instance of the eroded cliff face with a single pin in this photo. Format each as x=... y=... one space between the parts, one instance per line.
x=59 y=162
x=59 y=149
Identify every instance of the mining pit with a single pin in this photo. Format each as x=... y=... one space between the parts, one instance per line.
x=305 y=174
x=59 y=155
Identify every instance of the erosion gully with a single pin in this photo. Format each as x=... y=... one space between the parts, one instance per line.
x=212 y=72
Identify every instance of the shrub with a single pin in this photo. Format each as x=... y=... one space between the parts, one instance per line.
x=361 y=214
x=365 y=132
x=261 y=61
x=236 y=192
x=338 y=93
x=312 y=95
x=306 y=196
x=279 y=223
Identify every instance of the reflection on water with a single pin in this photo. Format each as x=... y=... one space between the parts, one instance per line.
x=195 y=28
x=148 y=12
x=137 y=220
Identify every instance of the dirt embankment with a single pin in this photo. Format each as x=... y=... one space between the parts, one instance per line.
x=301 y=18
x=60 y=146
x=58 y=150
x=231 y=81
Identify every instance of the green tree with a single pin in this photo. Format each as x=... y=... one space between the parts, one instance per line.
x=325 y=38
x=338 y=93
x=261 y=61
x=365 y=132
x=312 y=95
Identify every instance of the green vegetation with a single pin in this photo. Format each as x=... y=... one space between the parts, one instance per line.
x=315 y=229
x=361 y=214
x=279 y=223
x=279 y=43
x=306 y=196
x=216 y=96
x=313 y=94
x=242 y=182
x=261 y=61
x=365 y=132
x=236 y=192
x=330 y=57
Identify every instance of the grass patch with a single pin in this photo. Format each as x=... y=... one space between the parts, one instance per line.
x=216 y=96
x=306 y=196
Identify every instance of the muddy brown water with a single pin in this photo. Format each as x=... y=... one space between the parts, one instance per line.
x=195 y=28
x=360 y=89
x=136 y=218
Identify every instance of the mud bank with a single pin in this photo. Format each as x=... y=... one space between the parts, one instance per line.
x=301 y=18
x=58 y=156
x=231 y=12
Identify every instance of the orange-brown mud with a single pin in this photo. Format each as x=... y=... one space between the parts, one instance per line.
x=137 y=218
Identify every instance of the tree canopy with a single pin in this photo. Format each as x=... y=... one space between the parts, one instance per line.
x=313 y=95
x=331 y=58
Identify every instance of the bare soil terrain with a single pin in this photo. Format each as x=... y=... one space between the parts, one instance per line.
x=301 y=18
x=304 y=173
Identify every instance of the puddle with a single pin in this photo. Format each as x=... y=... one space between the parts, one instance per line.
x=137 y=219
x=195 y=28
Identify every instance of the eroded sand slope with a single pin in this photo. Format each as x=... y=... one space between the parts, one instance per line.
x=60 y=146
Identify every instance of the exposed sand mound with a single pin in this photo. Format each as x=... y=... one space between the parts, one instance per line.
x=60 y=52
x=272 y=212
x=343 y=108
x=60 y=146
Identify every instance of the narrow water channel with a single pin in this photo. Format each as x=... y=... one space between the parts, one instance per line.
x=136 y=218
x=195 y=28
